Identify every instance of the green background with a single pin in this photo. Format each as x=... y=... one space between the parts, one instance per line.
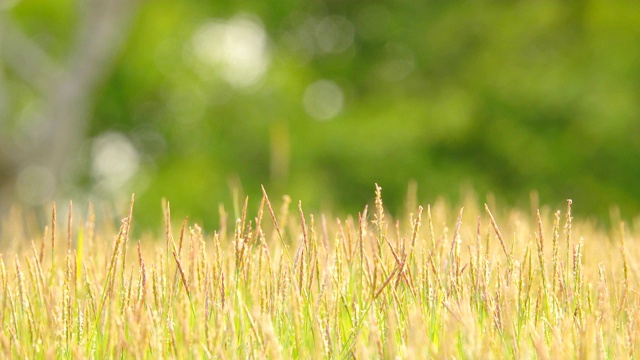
x=498 y=96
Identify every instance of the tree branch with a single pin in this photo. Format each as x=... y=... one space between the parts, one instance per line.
x=68 y=90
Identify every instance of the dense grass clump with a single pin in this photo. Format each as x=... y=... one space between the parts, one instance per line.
x=286 y=284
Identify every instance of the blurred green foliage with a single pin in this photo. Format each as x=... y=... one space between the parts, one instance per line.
x=501 y=96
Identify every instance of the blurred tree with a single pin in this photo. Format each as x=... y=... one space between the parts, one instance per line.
x=47 y=95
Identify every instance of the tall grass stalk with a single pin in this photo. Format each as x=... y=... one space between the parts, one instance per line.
x=378 y=287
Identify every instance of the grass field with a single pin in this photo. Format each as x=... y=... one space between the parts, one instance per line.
x=440 y=282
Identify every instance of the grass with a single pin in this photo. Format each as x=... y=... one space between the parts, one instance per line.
x=435 y=283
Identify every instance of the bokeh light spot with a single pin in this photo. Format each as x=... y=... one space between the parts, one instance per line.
x=323 y=100
x=321 y=36
x=399 y=64
x=236 y=49
x=115 y=161
x=334 y=34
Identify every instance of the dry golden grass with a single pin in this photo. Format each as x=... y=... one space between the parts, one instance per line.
x=438 y=283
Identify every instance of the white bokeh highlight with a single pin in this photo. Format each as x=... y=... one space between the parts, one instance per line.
x=323 y=100
x=114 y=161
x=237 y=49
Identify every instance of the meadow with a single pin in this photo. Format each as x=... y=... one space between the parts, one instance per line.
x=439 y=281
